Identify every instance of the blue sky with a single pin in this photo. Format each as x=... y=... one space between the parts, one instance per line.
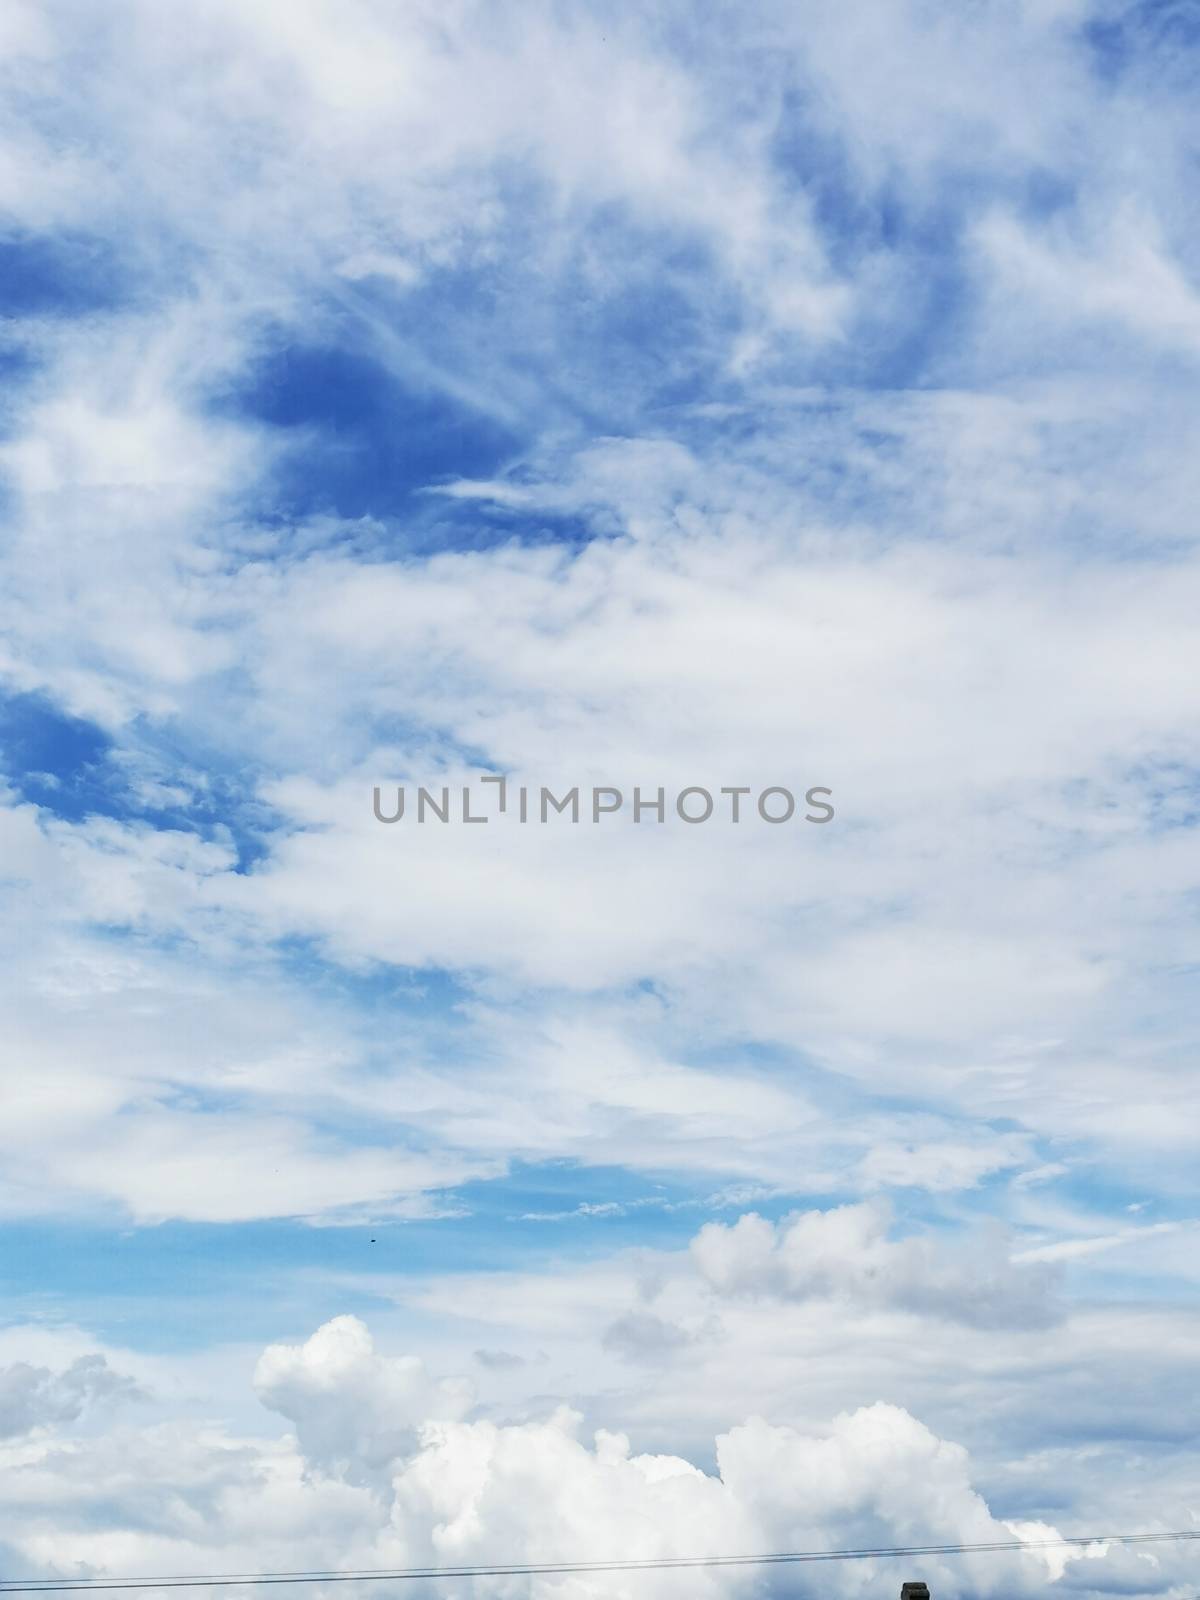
x=768 y=396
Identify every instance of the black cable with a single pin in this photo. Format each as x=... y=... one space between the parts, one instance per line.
x=531 y=1569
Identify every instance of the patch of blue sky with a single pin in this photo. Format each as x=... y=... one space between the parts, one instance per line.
x=171 y=1286
x=178 y=1286
x=1119 y=1277
x=375 y=424
x=74 y=769
x=381 y=396
x=18 y=363
x=483 y=524
x=366 y=443
x=55 y=760
x=655 y=333
x=1094 y=1186
x=374 y=988
x=61 y=275
x=1122 y=36
x=540 y=1209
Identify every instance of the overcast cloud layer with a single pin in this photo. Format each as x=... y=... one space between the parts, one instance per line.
x=665 y=396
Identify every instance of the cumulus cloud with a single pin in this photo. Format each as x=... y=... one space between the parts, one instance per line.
x=1020 y=1360
x=445 y=1490
x=643 y=1336
x=38 y=1397
x=847 y=1253
x=350 y=1405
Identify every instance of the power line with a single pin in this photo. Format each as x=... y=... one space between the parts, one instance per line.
x=538 y=1568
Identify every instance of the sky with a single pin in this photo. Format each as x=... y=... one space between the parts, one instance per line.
x=764 y=396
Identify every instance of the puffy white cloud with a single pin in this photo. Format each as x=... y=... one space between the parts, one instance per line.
x=446 y=1491
x=36 y=1397
x=351 y=1406
x=1011 y=1357
x=848 y=1253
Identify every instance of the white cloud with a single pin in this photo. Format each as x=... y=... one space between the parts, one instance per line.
x=351 y=1406
x=462 y=1491
x=1074 y=1249
x=37 y=1397
x=906 y=507
x=1126 y=278
x=942 y=1164
x=847 y=1253
x=1011 y=1357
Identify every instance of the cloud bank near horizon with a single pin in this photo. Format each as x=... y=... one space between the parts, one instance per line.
x=384 y=1470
